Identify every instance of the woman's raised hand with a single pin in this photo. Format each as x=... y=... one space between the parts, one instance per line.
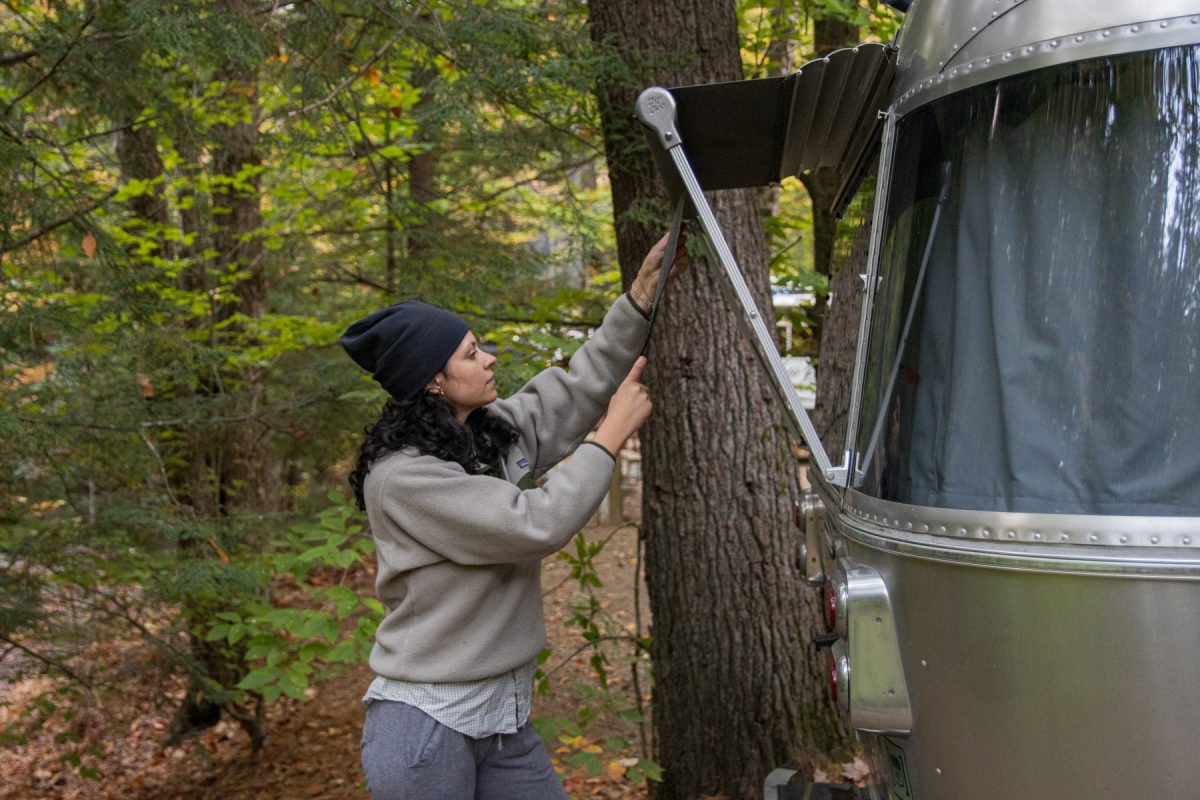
x=629 y=407
x=642 y=290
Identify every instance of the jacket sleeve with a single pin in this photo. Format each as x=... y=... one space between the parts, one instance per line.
x=478 y=519
x=557 y=408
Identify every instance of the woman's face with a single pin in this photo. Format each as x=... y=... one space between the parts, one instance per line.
x=467 y=380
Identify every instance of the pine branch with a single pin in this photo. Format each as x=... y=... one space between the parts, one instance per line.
x=329 y=98
x=48 y=661
x=54 y=67
x=542 y=175
x=266 y=412
x=58 y=223
x=8 y=59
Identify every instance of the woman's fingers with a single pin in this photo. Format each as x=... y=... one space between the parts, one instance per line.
x=635 y=373
x=682 y=259
x=652 y=263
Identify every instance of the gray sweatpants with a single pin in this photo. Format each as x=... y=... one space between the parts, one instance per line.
x=408 y=755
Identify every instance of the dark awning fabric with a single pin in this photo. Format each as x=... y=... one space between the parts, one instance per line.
x=753 y=133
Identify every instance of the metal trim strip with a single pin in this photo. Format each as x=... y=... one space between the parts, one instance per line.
x=1008 y=529
x=1079 y=561
x=1152 y=34
x=883 y=187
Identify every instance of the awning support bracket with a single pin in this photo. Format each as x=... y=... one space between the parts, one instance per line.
x=656 y=109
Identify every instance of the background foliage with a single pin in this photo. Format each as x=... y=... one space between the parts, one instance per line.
x=198 y=197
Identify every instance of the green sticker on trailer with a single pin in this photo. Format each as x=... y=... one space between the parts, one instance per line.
x=897 y=768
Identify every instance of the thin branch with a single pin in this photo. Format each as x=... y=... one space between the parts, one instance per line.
x=54 y=67
x=635 y=664
x=329 y=98
x=124 y=614
x=58 y=223
x=16 y=58
x=347 y=231
x=562 y=322
x=184 y=422
x=611 y=534
x=162 y=469
x=557 y=170
x=109 y=131
x=586 y=645
x=9 y=59
x=50 y=662
x=17 y=12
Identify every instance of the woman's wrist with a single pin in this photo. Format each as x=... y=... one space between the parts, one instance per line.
x=641 y=298
x=610 y=438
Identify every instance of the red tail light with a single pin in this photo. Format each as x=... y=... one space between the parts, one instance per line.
x=831 y=605
x=831 y=669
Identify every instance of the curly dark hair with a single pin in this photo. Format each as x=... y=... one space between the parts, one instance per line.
x=428 y=423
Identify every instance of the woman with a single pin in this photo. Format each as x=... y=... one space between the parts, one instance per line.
x=447 y=479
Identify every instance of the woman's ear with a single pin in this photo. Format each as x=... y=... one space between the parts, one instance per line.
x=434 y=386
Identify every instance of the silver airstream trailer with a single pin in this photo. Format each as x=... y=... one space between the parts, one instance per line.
x=1010 y=544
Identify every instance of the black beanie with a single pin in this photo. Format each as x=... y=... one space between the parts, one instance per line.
x=405 y=345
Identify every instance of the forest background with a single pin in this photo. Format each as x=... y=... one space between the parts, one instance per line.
x=197 y=198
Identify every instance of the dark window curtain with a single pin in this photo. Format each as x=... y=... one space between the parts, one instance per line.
x=1052 y=363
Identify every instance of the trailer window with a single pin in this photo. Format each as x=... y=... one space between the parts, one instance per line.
x=1035 y=343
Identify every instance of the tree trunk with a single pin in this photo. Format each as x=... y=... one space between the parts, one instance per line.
x=237 y=224
x=422 y=170
x=137 y=155
x=829 y=34
x=835 y=371
x=738 y=690
x=237 y=458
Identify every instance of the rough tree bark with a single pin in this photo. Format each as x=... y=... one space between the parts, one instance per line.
x=738 y=690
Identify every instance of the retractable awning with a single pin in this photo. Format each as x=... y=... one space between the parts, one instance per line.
x=753 y=133
x=758 y=132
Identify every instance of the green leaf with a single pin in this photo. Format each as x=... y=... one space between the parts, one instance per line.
x=257 y=679
x=236 y=633
x=311 y=650
x=589 y=761
x=345 y=600
x=292 y=687
x=650 y=769
x=314 y=624
x=262 y=649
x=345 y=652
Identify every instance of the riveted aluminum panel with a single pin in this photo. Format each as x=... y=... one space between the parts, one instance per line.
x=1039 y=684
x=947 y=47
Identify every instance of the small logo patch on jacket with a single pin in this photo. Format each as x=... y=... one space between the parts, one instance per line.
x=524 y=462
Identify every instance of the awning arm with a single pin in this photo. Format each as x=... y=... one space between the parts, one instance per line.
x=656 y=109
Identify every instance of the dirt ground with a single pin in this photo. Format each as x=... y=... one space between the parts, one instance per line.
x=312 y=746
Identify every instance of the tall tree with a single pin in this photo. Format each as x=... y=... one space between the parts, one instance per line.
x=832 y=30
x=736 y=690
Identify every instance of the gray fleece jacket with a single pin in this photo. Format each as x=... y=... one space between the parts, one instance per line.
x=459 y=555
